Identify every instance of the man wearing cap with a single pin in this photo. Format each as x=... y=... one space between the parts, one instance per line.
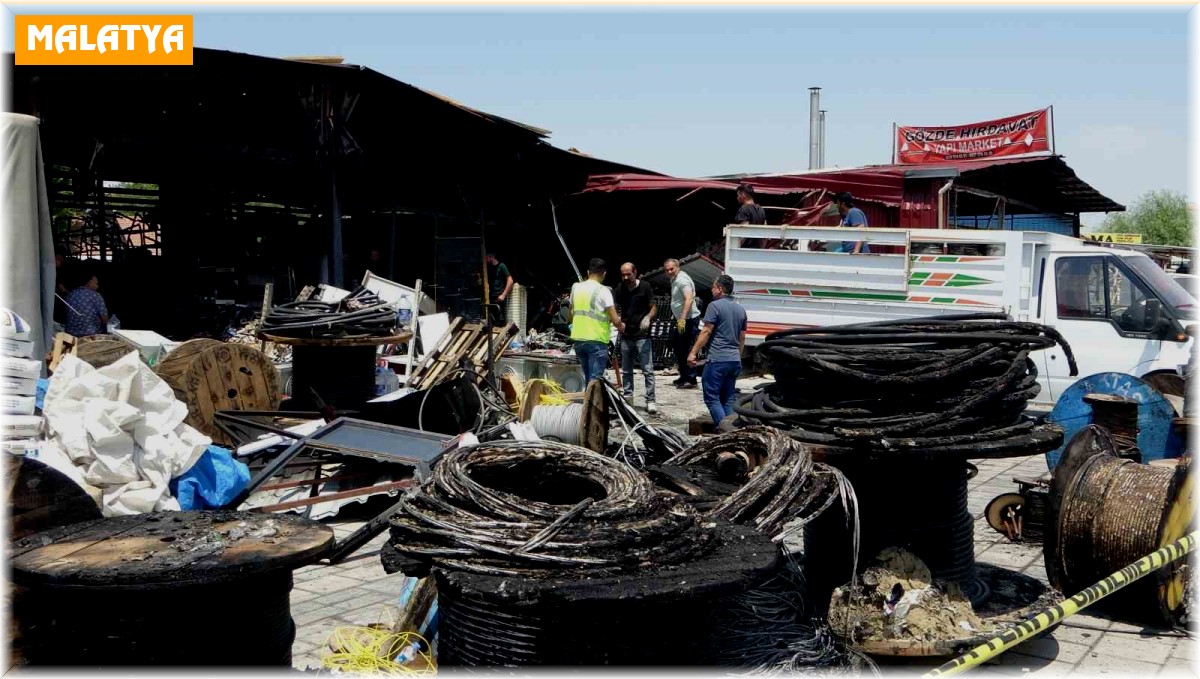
x=592 y=318
x=851 y=217
x=725 y=335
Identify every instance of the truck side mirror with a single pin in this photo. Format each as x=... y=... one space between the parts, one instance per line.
x=1153 y=319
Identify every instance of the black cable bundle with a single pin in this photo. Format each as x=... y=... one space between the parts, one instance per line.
x=786 y=485
x=540 y=508
x=550 y=554
x=955 y=384
x=359 y=314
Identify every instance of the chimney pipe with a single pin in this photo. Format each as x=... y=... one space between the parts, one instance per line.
x=821 y=136
x=814 y=139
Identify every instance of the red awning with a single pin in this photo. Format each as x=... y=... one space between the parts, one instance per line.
x=606 y=183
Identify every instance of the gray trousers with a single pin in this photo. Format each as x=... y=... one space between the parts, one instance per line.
x=637 y=350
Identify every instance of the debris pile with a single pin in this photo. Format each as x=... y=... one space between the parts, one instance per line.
x=896 y=599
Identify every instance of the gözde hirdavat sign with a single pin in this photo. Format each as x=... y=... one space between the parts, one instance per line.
x=1012 y=136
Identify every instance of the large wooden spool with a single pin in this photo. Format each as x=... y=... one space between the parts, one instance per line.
x=101 y=350
x=208 y=376
x=40 y=498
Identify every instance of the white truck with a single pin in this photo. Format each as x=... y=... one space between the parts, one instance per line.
x=1116 y=308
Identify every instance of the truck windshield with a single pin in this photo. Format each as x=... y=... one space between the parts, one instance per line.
x=1170 y=292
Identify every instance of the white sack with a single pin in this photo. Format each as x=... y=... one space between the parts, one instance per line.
x=123 y=428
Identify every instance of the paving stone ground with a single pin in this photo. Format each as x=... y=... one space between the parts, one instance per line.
x=358 y=592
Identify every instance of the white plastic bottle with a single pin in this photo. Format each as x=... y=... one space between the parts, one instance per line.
x=404 y=312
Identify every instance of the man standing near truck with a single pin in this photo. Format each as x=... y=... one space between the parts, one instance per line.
x=852 y=217
x=687 y=317
x=725 y=335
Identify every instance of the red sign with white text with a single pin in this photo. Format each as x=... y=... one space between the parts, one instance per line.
x=1012 y=136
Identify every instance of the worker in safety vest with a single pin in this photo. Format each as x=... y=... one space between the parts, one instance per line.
x=593 y=316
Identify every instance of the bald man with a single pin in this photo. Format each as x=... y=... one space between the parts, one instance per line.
x=635 y=301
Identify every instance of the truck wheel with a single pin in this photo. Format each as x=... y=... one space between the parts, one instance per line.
x=1166 y=384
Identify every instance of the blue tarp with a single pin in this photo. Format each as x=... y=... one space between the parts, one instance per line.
x=214 y=480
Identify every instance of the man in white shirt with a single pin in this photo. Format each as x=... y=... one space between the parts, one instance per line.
x=685 y=309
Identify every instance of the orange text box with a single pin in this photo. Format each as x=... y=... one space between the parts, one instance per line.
x=103 y=40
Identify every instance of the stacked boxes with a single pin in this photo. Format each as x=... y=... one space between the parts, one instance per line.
x=19 y=374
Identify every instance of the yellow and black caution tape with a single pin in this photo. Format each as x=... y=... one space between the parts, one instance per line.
x=1057 y=613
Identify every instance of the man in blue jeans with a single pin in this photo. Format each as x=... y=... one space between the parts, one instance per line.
x=592 y=318
x=725 y=328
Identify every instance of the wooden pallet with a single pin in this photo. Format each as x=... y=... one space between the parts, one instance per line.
x=463 y=341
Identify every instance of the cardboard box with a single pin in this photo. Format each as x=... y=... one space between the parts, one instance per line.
x=150 y=344
x=20 y=367
x=21 y=426
x=17 y=405
x=16 y=347
x=19 y=386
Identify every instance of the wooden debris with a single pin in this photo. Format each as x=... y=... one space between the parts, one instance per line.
x=462 y=342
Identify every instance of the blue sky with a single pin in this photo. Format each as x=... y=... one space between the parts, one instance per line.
x=703 y=91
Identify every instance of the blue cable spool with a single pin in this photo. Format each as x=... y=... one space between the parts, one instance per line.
x=1157 y=438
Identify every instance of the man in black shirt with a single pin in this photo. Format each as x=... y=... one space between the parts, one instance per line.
x=749 y=212
x=635 y=300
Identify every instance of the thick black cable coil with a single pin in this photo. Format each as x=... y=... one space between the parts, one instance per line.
x=898 y=407
x=609 y=569
x=788 y=485
x=928 y=386
x=539 y=509
x=94 y=627
x=359 y=314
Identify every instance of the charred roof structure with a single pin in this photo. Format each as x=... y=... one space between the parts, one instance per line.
x=244 y=169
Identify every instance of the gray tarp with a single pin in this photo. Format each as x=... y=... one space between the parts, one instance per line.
x=28 y=248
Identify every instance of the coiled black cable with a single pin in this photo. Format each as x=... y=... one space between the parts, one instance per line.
x=359 y=314
x=957 y=385
x=543 y=509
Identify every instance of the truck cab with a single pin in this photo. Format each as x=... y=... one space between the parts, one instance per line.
x=1115 y=307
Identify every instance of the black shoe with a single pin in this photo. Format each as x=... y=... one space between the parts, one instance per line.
x=688 y=385
x=678 y=381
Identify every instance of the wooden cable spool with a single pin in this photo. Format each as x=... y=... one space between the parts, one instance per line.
x=139 y=590
x=101 y=350
x=40 y=497
x=593 y=423
x=208 y=376
x=1106 y=512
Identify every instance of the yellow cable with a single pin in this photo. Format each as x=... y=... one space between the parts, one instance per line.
x=370 y=650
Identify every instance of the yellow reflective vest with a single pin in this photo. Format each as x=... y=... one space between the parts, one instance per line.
x=588 y=325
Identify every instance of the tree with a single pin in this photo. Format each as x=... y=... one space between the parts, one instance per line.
x=1162 y=217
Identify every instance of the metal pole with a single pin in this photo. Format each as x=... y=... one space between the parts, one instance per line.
x=1053 y=146
x=335 y=223
x=894 y=144
x=814 y=141
x=821 y=127
x=268 y=297
x=416 y=332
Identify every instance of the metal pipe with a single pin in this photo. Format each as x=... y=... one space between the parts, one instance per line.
x=941 y=218
x=814 y=141
x=821 y=138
